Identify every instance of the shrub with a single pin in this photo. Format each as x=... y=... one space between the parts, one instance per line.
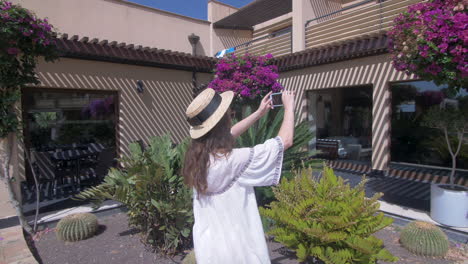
x=429 y=40
x=152 y=188
x=327 y=219
x=77 y=227
x=425 y=239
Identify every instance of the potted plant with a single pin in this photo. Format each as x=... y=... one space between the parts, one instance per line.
x=449 y=202
x=429 y=41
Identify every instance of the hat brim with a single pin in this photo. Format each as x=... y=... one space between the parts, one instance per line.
x=201 y=130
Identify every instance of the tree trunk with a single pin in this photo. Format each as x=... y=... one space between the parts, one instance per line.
x=454 y=167
x=5 y=158
x=453 y=155
x=36 y=183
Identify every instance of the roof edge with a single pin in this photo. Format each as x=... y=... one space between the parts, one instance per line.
x=363 y=46
x=112 y=51
x=224 y=4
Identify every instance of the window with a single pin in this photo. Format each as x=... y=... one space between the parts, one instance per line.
x=411 y=141
x=281 y=32
x=343 y=116
x=64 y=125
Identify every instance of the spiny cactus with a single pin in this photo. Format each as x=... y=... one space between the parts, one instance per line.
x=190 y=258
x=76 y=227
x=424 y=238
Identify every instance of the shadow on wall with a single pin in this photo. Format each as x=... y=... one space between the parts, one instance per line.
x=324 y=7
x=200 y=49
x=230 y=38
x=377 y=71
x=158 y=110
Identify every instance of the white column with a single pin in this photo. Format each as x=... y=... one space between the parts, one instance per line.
x=302 y=11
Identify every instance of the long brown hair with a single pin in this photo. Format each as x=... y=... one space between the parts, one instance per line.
x=197 y=158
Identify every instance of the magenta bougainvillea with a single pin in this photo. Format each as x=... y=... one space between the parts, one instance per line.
x=250 y=77
x=23 y=38
x=430 y=40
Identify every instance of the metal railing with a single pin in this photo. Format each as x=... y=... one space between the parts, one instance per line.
x=276 y=43
x=338 y=11
x=363 y=18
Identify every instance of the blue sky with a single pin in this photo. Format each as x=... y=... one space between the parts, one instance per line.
x=191 y=8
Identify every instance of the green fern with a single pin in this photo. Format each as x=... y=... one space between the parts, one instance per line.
x=152 y=188
x=324 y=217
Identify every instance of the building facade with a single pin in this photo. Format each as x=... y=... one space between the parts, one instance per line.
x=127 y=73
x=334 y=54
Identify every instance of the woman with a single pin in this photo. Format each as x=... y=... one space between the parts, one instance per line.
x=227 y=225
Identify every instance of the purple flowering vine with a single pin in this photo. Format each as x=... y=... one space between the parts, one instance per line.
x=249 y=76
x=23 y=38
x=430 y=40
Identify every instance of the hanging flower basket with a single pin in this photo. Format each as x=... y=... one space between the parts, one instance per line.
x=430 y=40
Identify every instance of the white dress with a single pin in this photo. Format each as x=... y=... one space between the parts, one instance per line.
x=227 y=225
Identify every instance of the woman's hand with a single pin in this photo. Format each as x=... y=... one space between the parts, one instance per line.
x=265 y=105
x=241 y=126
x=286 y=131
x=288 y=99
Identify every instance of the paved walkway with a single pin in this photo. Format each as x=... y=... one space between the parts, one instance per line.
x=13 y=248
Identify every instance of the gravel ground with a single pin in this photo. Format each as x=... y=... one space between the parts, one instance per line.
x=116 y=243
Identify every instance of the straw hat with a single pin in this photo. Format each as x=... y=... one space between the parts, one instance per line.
x=206 y=110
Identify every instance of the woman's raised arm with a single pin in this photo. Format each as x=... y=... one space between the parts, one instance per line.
x=240 y=127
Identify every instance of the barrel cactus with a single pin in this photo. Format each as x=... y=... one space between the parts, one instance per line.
x=424 y=238
x=76 y=227
x=190 y=258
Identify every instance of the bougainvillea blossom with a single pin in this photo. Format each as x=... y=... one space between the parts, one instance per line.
x=249 y=76
x=430 y=40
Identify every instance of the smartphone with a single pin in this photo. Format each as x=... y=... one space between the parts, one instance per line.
x=276 y=99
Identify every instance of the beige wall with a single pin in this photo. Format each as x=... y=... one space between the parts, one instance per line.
x=228 y=38
x=121 y=21
x=376 y=71
x=224 y=38
x=277 y=46
x=304 y=10
x=6 y=209
x=158 y=110
x=218 y=10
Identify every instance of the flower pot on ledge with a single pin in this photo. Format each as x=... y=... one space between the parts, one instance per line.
x=449 y=205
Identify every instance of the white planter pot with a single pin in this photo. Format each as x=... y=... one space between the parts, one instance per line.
x=448 y=206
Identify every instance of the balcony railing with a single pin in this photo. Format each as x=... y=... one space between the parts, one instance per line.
x=354 y=21
x=277 y=43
